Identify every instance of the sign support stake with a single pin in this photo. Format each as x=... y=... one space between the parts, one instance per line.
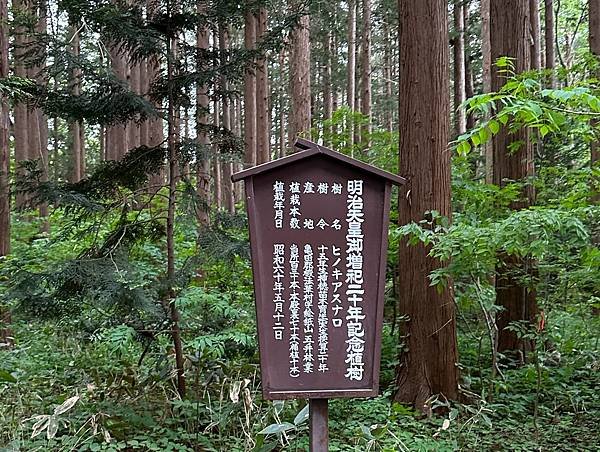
x=319 y=430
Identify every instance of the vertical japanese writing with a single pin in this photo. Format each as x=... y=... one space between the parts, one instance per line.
x=295 y=205
x=294 y=311
x=278 y=203
x=309 y=320
x=278 y=275
x=354 y=279
x=323 y=318
x=336 y=284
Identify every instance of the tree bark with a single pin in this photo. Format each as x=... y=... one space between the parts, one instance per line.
x=486 y=75
x=365 y=68
x=250 y=93
x=351 y=74
x=429 y=365
x=202 y=118
x=117 y=133
x=536 y=50
x=327 y=85
x=228 y=191
x=155 y=134
x=5 y=318
x=4 y=143
x=263 y=117
x=216 y=167
x=21 y=115
x=37 y=73
x=133 y=128
x=510 y=36
x=282 y=103
x=300 y=81
x=75 y=132
x=594 y=43
x=459 y=67
x=549 y=38
x=469 y=88
x=172 y=139
x=387 y=75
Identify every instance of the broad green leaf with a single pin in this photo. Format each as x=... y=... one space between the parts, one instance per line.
x=494 y=126
x=7 y=377
x=484 y=135
x=277 y=428
x=52 y=427
x=302 y=415
x=40 y=425
x=66 y=406
x=278 y=405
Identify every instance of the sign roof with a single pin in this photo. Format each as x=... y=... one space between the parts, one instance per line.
x=310 y=149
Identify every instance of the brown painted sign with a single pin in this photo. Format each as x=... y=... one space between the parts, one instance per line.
x=318 y=232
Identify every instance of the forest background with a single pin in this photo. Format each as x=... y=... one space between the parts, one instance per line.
x=126 y=309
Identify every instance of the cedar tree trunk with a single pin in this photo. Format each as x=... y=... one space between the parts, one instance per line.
x=510 y=36
x=428 y=367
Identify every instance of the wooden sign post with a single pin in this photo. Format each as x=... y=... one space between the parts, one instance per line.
x=318 y=234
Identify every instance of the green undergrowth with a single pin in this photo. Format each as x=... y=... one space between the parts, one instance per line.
x=62 y=390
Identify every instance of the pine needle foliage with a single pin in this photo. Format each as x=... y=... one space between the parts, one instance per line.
x=115 y=274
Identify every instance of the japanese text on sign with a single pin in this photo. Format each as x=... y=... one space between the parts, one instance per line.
x=314 y=299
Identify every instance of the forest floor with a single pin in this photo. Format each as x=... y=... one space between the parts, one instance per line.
x=124 y=405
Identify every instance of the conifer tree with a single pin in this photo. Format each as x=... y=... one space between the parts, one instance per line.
x=102 y=204
x=4 y=137
x=428 y=364
x=5 y=332
x=513 y=160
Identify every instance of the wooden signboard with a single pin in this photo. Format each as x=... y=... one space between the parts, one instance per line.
x=318 y=233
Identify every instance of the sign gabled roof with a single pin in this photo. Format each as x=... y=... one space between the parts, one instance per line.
x=310 y=149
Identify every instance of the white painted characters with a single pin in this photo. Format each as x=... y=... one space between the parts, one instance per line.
x=354 y=280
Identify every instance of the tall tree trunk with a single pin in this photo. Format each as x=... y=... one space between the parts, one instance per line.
x=37 y=73
x=75 y=132
x=156 y=135
x=594 y=43
x=327 y=85
x=250 y=93
x=202 y=119
x=536 y=50
x=486 y=76
x=429 y=366
x=263 y=117
x=459 y=67
x=549 y=38
x=335 y=70
x=282 y=103
x=469 y=88
x=21 y=125
x=351 y=74
x=228 y=191
x=4 y=147
x=173 y=139
x=217 y=175
x=133 y=128
x=510 y=36
x=387 y=76
x=5 y=314
x=5 y=317
x=365 y=70
x=300 y=80
x=144 y=88
x=357 y=90
x=236 y=129
x=101 y=139
x=117 y=133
